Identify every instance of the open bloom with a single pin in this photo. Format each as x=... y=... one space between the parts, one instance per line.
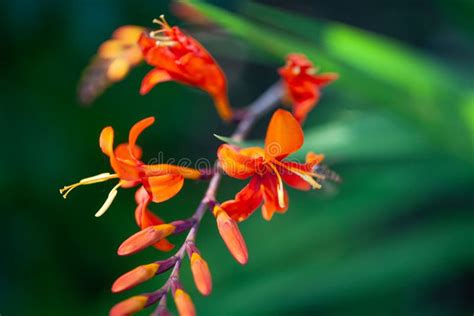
x=302 y=84
x=179 y=57
x=160 y=182
x=267 y=169
x=112 y=63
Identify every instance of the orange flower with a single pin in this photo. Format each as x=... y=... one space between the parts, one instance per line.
x=179 y=57
x=161 y=181
x=268 y=170
x=302 y=84
x=112 y=63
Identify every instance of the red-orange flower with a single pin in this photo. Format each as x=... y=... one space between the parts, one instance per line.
x=179 y=57
x=161 y=181
x=112 y=63
x=302 y=84
x=267 y=169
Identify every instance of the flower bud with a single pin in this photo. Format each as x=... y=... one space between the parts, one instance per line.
x=129 y=306
x=134 y=277
x=144 y=238
x=231 y=235
x=201 y=274
x=184 y=304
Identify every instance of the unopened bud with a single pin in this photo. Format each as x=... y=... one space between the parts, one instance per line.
x=201 y=274
x=231 y=235
x=184 y=304
x=144 y=238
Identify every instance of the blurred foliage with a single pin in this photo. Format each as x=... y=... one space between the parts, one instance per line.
x=395 y=237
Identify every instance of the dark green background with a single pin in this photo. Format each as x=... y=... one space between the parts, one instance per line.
x=395 y=238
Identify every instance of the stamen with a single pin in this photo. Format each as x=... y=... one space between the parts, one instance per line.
x=306 y=176
x=166 y=43
x=108 y=202
x=280 y=190
x=162 y=21
x=86 y=181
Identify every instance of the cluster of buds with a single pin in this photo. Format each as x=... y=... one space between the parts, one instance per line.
x=178 y=57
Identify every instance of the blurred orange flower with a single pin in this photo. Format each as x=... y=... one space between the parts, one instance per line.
x=179 y=57
x=268 y=170
x=112 y=63
x=302 y=84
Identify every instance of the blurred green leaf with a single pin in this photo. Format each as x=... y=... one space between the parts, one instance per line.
x=372 y=68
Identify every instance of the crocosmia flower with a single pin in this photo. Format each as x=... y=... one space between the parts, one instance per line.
x=267 y=169
x=160 y=182
x=302 y=84
x=112 y=63
x=179 y=57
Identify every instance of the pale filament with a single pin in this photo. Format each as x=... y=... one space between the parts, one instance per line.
x=86 y=181
x=280 y=190
x=108 y=201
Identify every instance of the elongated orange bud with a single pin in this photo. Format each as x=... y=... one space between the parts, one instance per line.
x=134 y=277
x=231 y=235
x=201 y=274
x=129 y=306
x=144 y=238
x=184 y=304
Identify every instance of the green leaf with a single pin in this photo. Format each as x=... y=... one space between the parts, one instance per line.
x=228 y=140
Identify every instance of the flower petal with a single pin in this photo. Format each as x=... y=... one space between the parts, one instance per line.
x=122 y=152
x=106 y=140
x=162 y=169
x=145 y=218
x=245 y=202
x=234 y=163
x=164 y=187
x=135 y=131
x=284 y=135
x=270 y=197
x=154 y=77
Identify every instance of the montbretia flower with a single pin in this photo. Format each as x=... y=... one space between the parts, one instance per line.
x=179 y=57
x=161 y=181
x=302 y=84
x=268 y=170
x=112 y=63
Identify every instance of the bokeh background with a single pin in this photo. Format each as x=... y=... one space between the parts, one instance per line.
x=395 y=237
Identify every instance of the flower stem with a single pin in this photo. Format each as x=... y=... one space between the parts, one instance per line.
x=258 y=108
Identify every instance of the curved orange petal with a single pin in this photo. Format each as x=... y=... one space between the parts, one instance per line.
x=245 y=202
x=135 y=131
x=284 y=135
x=164 y=187
x=304 y=104
x=221 y=102
x=270 y=197
x=106 y=140
x=234 y=163
x=122 y=152
x=323 y=79
x=154 y=77
x=313 y=159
